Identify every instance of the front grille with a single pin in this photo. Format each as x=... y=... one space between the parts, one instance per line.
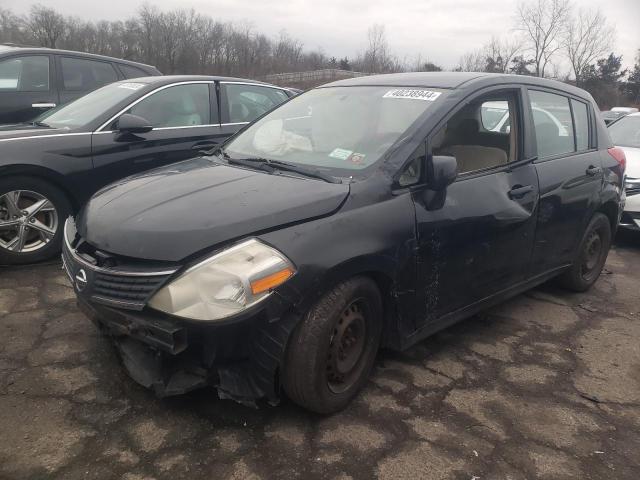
x=125 y=289
x=109 y=279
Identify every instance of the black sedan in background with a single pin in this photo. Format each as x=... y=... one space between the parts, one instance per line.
x=50 y=167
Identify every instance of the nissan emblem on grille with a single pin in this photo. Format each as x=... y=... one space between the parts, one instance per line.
x=81 y=280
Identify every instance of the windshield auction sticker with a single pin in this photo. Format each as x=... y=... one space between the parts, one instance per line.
x=131 y=86
x=412 y=94
x=341 y=153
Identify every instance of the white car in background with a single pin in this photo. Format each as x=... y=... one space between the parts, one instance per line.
x=625 y=134
x=495 y=118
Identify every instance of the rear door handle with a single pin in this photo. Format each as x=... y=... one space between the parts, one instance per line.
x=593 y=171
x=43 y=105
x=519 y=191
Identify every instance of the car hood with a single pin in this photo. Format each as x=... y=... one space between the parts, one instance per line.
x=173 y=212
x=633 y=161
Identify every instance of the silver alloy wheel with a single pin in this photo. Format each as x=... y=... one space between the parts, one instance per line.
x=28 y=221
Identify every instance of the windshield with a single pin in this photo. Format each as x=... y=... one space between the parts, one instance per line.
x=337 y=129
x=88 y=108
x=626 y=132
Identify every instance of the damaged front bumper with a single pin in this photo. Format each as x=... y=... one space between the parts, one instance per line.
x=240 y=356
x=171 y=357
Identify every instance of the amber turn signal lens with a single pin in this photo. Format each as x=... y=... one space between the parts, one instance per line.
x=270 y=281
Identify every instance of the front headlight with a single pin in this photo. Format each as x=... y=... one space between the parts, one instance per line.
x=226 y=283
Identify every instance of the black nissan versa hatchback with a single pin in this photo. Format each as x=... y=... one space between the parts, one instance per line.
x=366 y=213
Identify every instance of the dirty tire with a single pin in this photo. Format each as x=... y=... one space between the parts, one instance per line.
x=592 y=255
x=312 y=373
x=62 y=208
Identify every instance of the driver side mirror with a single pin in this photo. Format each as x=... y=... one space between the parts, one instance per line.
x=128 y=123
x=441 y=171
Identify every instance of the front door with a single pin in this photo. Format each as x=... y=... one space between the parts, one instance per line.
x=185 y=121
x=27 y=88
x=478 y=240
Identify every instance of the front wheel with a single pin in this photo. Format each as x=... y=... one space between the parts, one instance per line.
x=32 y=214
x=592 y=255
x=332 y=351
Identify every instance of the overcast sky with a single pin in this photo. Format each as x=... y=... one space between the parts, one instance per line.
x=438 y=30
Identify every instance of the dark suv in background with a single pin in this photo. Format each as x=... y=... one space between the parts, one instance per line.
x=33 y=80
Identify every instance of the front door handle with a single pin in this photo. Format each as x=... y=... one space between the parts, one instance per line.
x=43 y=105
x=593 y=171
x=520 y=191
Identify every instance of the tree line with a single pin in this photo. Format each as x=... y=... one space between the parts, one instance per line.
x=549 y=38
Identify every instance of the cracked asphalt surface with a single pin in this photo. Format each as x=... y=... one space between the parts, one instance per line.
x=544 y=386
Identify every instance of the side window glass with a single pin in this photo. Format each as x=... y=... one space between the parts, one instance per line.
x=552 y=121
x=131 y=72
x=494 y=116
x=481 y=134
x=413 y=170
x=25 y=74
x=80 y=75
x=581 y=122
x=248 y=102
x=179 y=106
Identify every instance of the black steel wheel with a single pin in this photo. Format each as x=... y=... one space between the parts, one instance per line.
x=332 y=350
x=592 y=255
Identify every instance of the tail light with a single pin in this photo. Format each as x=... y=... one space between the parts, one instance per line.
x=619 y=155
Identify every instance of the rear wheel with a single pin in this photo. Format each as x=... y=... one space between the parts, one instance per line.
x=32 y=214
x=331 y=352
x=592 y=255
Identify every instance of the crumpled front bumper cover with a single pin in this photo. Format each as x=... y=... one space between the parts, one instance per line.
x=241 y=360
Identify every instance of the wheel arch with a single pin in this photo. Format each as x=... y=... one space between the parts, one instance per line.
x=382 y=270
x=44 y=174
x=611 y=211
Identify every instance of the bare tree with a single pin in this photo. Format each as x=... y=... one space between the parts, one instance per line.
x=376 y=58
x=588 y=38
x=543 y=23
x=46 y=25
x=500 y=52
x=471 y=62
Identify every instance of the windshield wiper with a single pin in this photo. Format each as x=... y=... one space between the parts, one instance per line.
x=271 y=165
x=40 y=124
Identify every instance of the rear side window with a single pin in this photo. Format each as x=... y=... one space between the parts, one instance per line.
x=581 y=122
x=80 y=74
x=553 y=123
x=25 y=74
x=132 y=72
x=178 y=106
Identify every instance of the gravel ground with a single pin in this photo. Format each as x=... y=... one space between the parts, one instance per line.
x=546 y=386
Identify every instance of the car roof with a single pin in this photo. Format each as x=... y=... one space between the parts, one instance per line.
x=166 y=79
x=12 y=48
x=453 y=80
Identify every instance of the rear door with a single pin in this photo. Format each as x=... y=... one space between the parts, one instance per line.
x=570 y=172
x=78 y=76
x=477 y=241
x=27 y=87
x=243 y=102
x=185 y=118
